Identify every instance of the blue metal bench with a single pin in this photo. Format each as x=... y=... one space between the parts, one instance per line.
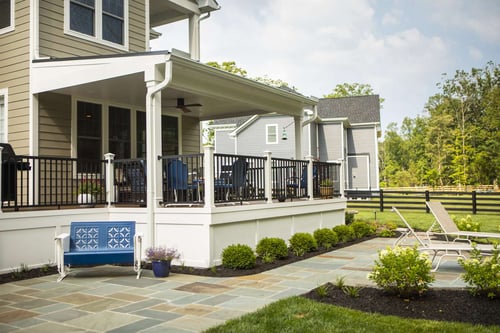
x=98 y=243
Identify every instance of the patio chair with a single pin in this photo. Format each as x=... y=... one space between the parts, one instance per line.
x=233 y=182
x=135 y=174
x=440 y=249
x=177 y=179
x=448 y=227
x=295 y=184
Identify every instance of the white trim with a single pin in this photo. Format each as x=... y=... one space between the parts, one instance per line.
x=12 y=25
x=275 y=126
x=5 y=94
x=98 y=26
x=377 y=174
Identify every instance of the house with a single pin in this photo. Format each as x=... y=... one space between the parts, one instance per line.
x=83 y=99
x=343 y=129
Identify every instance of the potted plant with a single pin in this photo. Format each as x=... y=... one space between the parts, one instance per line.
x=88 y=190
x=326 y=188
x=161 y=257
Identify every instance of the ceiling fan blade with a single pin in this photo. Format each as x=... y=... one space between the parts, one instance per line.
x=195 y=104
x=184 y=109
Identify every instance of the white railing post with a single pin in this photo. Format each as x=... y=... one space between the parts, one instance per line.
x=310 y=177
x=208 y=175
x=110 y=184
x=268 y=177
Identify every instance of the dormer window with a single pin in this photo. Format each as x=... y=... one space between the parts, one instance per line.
x=6 y=16
x=102 y=21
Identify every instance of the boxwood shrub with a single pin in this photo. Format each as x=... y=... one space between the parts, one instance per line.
x=345 y=233
x=326 y=238
x=301 y=243
x=238 y=256
x=269 y=249
x=362 y=229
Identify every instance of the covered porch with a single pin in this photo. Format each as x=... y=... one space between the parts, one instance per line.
x=196 y=200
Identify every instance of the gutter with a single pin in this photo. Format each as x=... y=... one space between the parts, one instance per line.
x=151 y=158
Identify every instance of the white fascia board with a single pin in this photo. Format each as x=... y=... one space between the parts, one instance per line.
x=244 y=125
x=343 y=120
x=56 y=74
x=374 y=124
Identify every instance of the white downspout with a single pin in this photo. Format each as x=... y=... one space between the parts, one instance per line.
x=151 y=148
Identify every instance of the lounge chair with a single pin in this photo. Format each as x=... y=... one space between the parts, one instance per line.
x=448 y=226
x=440 y=250
x=233 y=180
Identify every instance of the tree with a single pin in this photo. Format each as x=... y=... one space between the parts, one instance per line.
x=228 y=66
x=352 y=89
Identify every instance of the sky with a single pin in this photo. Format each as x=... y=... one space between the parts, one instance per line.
x=401 y=48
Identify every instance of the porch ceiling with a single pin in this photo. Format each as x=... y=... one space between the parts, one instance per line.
x=120 y=80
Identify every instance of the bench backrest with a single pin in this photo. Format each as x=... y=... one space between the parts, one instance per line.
x=102 y=236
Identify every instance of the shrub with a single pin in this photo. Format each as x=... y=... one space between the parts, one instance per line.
x=302 y=242
x=349 y=217
x=238 y=256
x=362 y=229
x=270 y=249
x=386 y=229
x=325 y=238
x=345 y=233
x=482 y=274
x=404 y=271
x=466 y=224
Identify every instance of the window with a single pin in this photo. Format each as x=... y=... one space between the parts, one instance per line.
x=141 y=134
x=271 y=134
x=119 y=132
x=6 y=16
x=3 y=116
x=103 y=21
x=89 y=137
x=170 y=135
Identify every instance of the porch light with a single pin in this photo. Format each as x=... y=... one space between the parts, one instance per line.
x=284 y=135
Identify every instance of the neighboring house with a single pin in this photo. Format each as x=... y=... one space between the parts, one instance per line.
x=345 y=129
x=78 y=80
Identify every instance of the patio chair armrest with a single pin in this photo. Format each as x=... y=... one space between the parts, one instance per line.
x=62 y=241
x=138 y=253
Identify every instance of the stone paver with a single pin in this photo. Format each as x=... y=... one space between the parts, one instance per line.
x=113 y=300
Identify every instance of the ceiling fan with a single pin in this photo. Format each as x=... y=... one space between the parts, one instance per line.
x=185 y=107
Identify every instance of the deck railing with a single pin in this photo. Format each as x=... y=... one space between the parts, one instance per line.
x=29 y=181
x=32 y=181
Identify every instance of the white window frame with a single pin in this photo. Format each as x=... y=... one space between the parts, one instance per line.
x=4 y=114
x=10 y=27
x=98 y=28
x=268 y=129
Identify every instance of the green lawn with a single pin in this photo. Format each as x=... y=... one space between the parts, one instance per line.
x=297 y=314
x=422 y=221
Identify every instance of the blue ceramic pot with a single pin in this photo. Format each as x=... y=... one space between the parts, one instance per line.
x=161 y=268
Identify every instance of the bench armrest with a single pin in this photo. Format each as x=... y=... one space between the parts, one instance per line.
x=62 y=241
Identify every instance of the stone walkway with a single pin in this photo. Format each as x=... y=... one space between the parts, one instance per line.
x=111 y=299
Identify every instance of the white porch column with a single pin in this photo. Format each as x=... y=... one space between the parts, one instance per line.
x=342 y=179
x=110 y=184
x=194 y=36
x=298 y=137
x=208 y=175
x=310 y=177
x=268 y=177
x=153 y=77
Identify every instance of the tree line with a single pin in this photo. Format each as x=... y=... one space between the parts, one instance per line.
x=457 y=140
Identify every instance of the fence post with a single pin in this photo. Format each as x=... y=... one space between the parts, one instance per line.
x=268 y=177
x=110 y=177
x=381 y=200
x=474 y=203
x=427 y=198
x=208 y=175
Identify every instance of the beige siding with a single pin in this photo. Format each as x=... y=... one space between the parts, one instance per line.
x=55 y=124
x=190 y=136
x=14 y=75
x=54 y=43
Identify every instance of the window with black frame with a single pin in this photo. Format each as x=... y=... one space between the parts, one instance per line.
x=119 y=132
x=6 y=19
x=89 y=134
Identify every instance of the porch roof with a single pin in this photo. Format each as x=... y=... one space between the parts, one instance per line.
x=121 y=79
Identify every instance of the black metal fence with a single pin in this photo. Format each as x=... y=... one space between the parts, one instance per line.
x=238 y=178
x=474 y=202
x=183 y=181
x=30 y=181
